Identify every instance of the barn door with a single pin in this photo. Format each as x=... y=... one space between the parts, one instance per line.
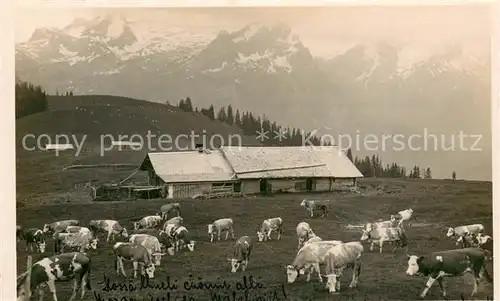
x=309 y=184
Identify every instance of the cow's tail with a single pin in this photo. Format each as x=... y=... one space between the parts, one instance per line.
x=87 y=283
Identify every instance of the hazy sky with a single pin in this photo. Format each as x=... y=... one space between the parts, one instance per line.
x=318 y=28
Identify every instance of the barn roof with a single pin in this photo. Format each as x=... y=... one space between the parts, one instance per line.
x=189 y=166
x=290 y=162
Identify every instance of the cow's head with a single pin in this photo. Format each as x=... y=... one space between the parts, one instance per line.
x=366 y=235
x=235 y=264
x=292 y=273
x=93 y=243
x=413 y=265
x=333 y=283
x=369 y=227
x=211 y=229
x=260 y=235
x=157 y=258
x=190 y=245
x=150 y=270
x=394 y=218
x=124 y=233
x=450 y=232
x=46 y=228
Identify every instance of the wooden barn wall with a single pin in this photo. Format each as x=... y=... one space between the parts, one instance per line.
x=250 y=186
x=321 y=184
x=189 y=190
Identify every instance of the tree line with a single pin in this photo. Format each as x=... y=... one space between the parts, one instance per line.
x=249 y=124
x=30 y=99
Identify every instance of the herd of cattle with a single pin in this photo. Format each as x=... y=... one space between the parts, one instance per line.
x=154 y=236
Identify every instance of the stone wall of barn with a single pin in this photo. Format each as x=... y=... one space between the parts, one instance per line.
x=322 y=184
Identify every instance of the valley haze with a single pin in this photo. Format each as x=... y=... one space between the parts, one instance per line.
x=335 y=71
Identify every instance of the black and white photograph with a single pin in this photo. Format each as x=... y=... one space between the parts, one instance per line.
x=336 y=152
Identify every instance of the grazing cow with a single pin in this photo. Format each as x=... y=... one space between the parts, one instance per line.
x=394 y=235
x=484 y=242
x=308 y=259
x=311 y=205
x=167 y=208
x=57 y=268
x=223 y=224
x=450 y=263
x=404 y=215
x=181 y=238
x=73 y=240
x=177 y=221
x=151 y=243
x=338 y=258
x=304 y=232
x=462 y=231
x=242 y=250
x=269 y=225
x=59 y=226
x=148 y=222
x=19 y=233
x=34 y=236
x=136 y=253
x=112 y=227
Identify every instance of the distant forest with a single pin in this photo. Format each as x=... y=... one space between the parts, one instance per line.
x=249 y=124
x=31 y=99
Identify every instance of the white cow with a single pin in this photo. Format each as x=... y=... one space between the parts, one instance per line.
x=178 y=221
x=309 y=257
x=151 y=243
x=304 y=232
x=394 y=235
x=80 y=241
x=268 y=226
x=109 y=226
x=223 y=224
x=313 y=239
x=338 y=258
x=148 y=222
x=404 y=215
x=380 y=224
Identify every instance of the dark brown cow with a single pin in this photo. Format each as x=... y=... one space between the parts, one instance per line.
x=35 y=237
x=450 y=263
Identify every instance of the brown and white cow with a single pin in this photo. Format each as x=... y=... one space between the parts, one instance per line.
x=81 y=242
x=181 y=239
x=304 y=232
x=58 y=268
x=167 y=242
x=379 y=236
x=450 y=263
x=59 y=226
x=35 y=237
x=151 y=243
x=315 y=205
x=480 y=240
x=109 y=226
x=241 y=254
x=138 y=254
x=346 y=255
x=465 y=230
x=308 y=259
x=148 y=222
x=223 y=224
x=380 y=224
x=268 y=226
x=168 y=208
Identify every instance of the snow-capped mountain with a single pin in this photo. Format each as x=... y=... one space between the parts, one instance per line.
x=369 y=88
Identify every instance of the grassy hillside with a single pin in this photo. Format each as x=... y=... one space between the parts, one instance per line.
x=92 y=116
x=437 y=204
